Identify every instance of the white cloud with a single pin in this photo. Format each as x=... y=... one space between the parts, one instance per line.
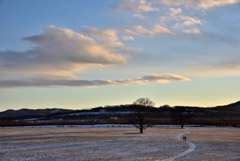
x=137 y=7
x=175 y=12
x=178 y=18
x=198 y=4
x=180 y=22
x=161 y=79
x=106 y=37
x=62 y=52
x=191 y=31
x=207 y=4
x=139 y=30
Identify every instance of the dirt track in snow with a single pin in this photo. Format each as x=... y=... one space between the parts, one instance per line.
x=191 y=146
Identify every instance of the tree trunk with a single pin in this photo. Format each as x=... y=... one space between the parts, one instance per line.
x=141 y=128
x=182 y=126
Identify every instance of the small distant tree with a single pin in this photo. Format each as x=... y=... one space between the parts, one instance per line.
x=139 y=118
x=144 y=102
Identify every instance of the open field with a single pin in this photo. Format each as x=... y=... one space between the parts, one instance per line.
x=163 y=144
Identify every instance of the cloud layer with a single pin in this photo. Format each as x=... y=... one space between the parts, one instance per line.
x=179 y=18
x=198 y=4
x=62 y=52
x=161 y=79
x=58 y=54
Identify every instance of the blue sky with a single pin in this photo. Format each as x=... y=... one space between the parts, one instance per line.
x=81 y=54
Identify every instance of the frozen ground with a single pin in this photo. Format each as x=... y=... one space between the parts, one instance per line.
x=88 y=144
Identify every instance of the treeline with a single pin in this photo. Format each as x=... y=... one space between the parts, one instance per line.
x=228 y=115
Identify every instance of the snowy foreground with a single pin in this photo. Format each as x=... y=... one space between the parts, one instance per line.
x=74 y=143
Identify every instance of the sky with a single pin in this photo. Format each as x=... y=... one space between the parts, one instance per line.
x=81 y=54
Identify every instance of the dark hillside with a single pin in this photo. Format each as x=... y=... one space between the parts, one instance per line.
x=121 y=114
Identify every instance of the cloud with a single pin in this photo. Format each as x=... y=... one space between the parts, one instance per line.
x=61 y=51
x=161 y=79
x=140 y=7
x=173 y=22
x=176 y=20
x=207 y=4
x=137 y=6
x=198 y=4
x=180 y=22
x=139 y=30
x=107 y=37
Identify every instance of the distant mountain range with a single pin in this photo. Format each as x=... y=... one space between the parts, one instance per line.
x=119 y=114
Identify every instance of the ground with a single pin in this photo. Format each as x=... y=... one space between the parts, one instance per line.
x=88 y=144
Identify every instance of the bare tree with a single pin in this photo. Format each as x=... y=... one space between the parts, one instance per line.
x=139 y=119
x=144 y=102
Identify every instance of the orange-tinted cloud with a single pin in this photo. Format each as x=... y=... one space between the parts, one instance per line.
x=157 y=78
x=62 y=52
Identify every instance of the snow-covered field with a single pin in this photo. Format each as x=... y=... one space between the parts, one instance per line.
x=73 y=143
